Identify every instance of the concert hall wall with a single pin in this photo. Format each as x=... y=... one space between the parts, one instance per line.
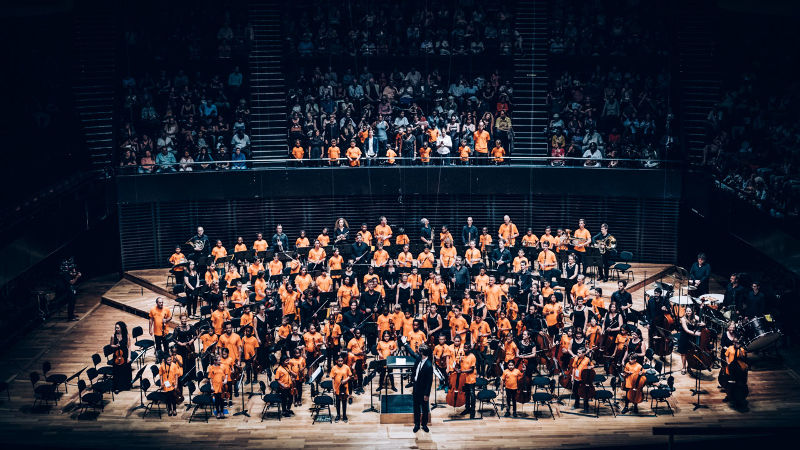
x=157 y=212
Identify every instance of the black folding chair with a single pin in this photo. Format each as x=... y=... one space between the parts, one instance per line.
x=143 y=344
x=92 y=399
x=55 y=378
x=42 y=392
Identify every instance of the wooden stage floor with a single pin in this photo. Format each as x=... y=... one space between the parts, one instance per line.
x=774 y=401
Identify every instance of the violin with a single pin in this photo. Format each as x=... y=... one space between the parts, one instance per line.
x=119 y=356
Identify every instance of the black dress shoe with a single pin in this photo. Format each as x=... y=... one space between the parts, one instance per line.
x=416 y=428
x=425 y=429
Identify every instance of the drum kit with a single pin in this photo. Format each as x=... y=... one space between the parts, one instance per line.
x=756 y=334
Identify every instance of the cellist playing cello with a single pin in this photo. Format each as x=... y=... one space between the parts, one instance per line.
x=631 y=372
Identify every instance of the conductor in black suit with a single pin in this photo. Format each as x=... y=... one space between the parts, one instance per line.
x=422 y=374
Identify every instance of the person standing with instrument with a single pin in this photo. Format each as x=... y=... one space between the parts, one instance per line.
x=121 y=344
x=699 y=274
x=201 y=247
x=581 y=238
x=602 y=240
x=283 y=376
x=510 y=379
x=170 y=371
x=341 y=375
x=467 y=366
x=422 y=380
x=218 y=376
x=159 y=318
x=689 y=330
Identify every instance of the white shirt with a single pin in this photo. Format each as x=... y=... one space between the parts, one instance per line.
x=419 y=367
x=444 y=143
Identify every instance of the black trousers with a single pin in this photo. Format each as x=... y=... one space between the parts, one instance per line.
x=341 y=405
x=605 y=265
x=469 y=392
x=161 y=347
x=286 y=399
x=219 y=403
x=70 y=303
x=422 y=410
x=511 y=399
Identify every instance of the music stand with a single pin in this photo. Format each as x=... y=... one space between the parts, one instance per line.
x=439 y=380
x=697 y=391
x=240 y=256
x=138 y=376
x=243 y=411
x=374 y=367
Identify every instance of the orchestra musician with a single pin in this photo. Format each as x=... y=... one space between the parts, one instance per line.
x=510 y=379
x=699 y=274
x=159 y=318
x=581 y=238
x=356 y=356
x=386 y=347
x=200 y=245
x=341 y=230
x=690 y=328
x=507 y=232
x=178 y=260
x=121 y=345
x=547 y=260
x=605 y=257
x=283 y=376
x=218 y=376
x=466 y=363
x=469 y=233
x=185 y=337
x=579 y=363
x=279 y=240
x=631 y=374
x=341 y=375
x=250 y=346
x=169 y=371
x=501 y=258
x=297 y=368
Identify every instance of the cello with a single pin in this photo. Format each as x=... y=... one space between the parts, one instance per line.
x=456 y=396
x=700 y=356
x=524 y=385
x=586 y=389
x=635 y=394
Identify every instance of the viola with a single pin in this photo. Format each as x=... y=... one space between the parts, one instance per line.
x=119 y=356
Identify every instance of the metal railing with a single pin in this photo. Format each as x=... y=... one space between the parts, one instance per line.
x=402 y=162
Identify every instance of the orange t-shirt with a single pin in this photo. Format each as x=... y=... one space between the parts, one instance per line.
x=448 y=256
x=302 y=282
x=530 y=241
x=437 y=293
x=324 y=239
x=345 y=294
x=582 y=234
x=289 y=302
x=383 y=231
x=159 y=316
x=425 y=154
x=324 y=284
x=506 y=231
x=283 y=376
x=467 y=363
x=390 y=156
x=260 y=246
x=481 y=141
x=498 y=153
x=463 y=152
x=312 y=341
x=260 y=287
x=510 y=378
x=250 y=344
x=338 y=375
x=302 y=242
x=317 y=254
x=218 y=374
x=169 y=376
x=240 y=248
x=547 y=260
x=425 y=260
x=493 y=295
x=353 y=154
x=404 y=259
x=177 y=258
x=334 y=153
x=385 y=349
x=380 y=257
x=232 y=343
x=298 y=152
x=415 y=339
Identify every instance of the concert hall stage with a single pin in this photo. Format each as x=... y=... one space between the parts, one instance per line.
x=774 y=401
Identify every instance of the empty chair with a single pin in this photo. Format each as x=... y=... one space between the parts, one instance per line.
x=320 y=401
x=604 y=396
x=272 y=399
x=544 y=399
x=487 y=396
x=54 y=378
x=42 y=392
x=156 y=398
x=327 y=386
x=143 y=344
x=624 y=267
x=204 y=400
x=107 y=371
x=92 y=399
x=99 y=385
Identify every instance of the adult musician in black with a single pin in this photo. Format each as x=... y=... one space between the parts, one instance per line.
x=371 y=303
x=525 y=283
x=754 y=302
x=469 y=233
x=606 y=256
x=460 y=279
x=699 y=274
x=200 y=245
x=657 y=305
x=280 y=242
x=501 y=258
x=734 y=293
x=121 y=344
x=422 y=379
x=358 y=251
x=351 y=319
x=624 y=301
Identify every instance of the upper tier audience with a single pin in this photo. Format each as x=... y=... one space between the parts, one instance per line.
x=607 y=116
x=408 y=28
x=753 y=137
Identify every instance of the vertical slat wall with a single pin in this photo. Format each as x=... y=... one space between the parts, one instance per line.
x=149 y=232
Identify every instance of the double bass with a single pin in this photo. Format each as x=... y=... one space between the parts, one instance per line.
x=701 y=356
x=524 y=385
x=545 y=350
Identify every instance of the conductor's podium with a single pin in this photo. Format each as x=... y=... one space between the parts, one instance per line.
x=398 y=408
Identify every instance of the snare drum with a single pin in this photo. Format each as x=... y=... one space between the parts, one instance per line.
x=758 y=333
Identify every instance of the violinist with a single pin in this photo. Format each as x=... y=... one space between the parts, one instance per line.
x=442 y=354
x=356 y=354
x=249 y=351
x=341 y=375
x=579 y=363
x=527 y=350
x=121 y=344
x=208 y=342
x=631 y=374
x=297 y=368
x=479 y=332
x=283 y=376
x=467 y=365
x=332 y=332
x=510 y=379
x=458 y=324
x=690 y=330
x=184 y=342
x=386 y=347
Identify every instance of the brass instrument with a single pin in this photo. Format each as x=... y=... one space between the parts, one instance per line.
x=196 y=244
x=607 y=243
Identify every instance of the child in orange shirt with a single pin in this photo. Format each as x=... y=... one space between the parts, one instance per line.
x=498 y=152
x=333 y=154
x=297 y=152
x=353 y=155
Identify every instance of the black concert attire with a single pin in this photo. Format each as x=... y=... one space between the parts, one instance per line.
x=734 y=296
x=533 y=323
x=754 y=304
x=205 y=249
x=525 y=281
x=527 y=349
x=654 y=305
x=422 y=380
x=469 y=233
x=307 y=309
x=358 y=250
x=504 y=256
x=571 y=272
x=623 y=300
x=390 y=279
x=580 y=318
x=68 y=278
x=280 y=242
x=184 y=336
x=461 y=280
x=340 y=232
x=192 y=289
x=261 y=331
x=404 y=298
x=122 y=372
x=605 y=257
x=371 y=300
x=350 y=321
x=685 y=339
x=701 y=274
x=427 y=233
